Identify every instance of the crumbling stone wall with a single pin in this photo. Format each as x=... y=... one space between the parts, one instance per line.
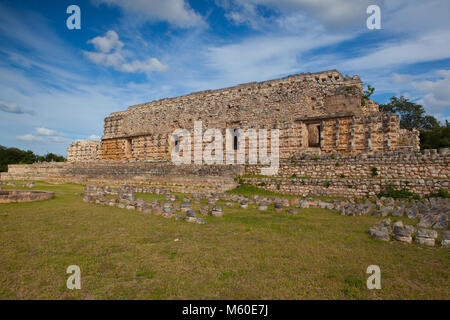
x=395 y=165
x=324 y=104
x=83 y=151
x=359 y=175
x=327 y=175
x=318 y=113
x=175 y=177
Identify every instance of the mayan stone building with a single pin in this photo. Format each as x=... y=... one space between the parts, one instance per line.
x=320 y=113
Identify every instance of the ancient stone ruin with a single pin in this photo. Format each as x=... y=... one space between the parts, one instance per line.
x=333 y=142
x=13 y=196
x=320 y=113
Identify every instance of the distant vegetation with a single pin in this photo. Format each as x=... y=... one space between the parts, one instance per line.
x=17 y=156
x=433 y=135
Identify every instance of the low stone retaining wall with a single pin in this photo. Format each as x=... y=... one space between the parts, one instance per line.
x=308 y=175
x=389 y=165
x=9 y=196
x=14 y=184
x=183 y=178
x=336 y=187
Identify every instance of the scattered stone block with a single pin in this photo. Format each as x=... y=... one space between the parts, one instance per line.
x=185 y=206
x=379 y=234
x=204 y=210
x=244 y=204
x=200 y=221
x=303 y=204
x=191 y=213
x=217 y=211
x=278 y=207
x=262 y=207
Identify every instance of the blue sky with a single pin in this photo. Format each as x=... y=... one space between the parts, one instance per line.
x=57 y=85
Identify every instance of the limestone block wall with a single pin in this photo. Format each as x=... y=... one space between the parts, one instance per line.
x=320 y=113
x=334 y=187
x=326 y=175
x=144 y=129
x=184 y=178
x=393 y=165
x=83 y=151
x=358 y=175
x=342 y=133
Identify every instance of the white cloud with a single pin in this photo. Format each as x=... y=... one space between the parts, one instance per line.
x=428 y=47
x=30 y=138
x=430 y=89
x=267 y=56
x=107 y=43
x=94 y=137
x=57 y=139
x=110 y=55
x=13 y=108
x=436 y=93
x=401 y=78
x=43 y=135
x=335 y=13
x=175 y=12
x=46 y=132
x=151 y=64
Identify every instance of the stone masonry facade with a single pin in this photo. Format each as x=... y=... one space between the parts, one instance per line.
x=83 y=151
x=320 y=113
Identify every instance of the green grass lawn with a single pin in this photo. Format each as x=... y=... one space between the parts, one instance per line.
x=247 y=254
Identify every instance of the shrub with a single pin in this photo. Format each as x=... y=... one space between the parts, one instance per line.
x=442 y=193
x=239 y=180
x=404 y=193
x=374 y=171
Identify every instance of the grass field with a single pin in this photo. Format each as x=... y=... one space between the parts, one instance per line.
x=247 y=254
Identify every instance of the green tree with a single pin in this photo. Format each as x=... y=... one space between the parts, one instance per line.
x=17 y=156
x=435 y=138
x=366 y=94
x=412 y=115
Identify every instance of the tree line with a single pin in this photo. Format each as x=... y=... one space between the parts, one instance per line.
x=433 y=135
x=17 y=156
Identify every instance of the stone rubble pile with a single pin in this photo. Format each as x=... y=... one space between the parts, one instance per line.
x=126 y=200
x=386 y=231
x=15 y=184
x=433 y=213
